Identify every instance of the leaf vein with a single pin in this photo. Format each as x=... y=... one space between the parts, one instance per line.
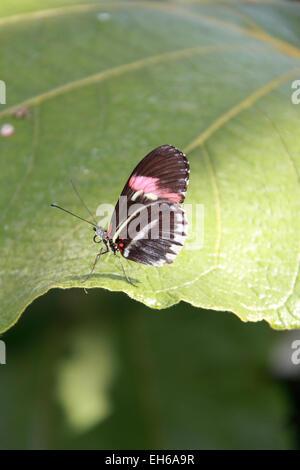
x=121 y=69
x=238 y=108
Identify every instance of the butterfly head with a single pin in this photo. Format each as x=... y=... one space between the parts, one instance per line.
x=101 y=234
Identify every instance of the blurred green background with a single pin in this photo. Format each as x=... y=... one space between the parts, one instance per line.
x=101 y=371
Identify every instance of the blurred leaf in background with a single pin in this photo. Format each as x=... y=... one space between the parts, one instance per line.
x=103 y=372
x=84 y=379
x=104 y=83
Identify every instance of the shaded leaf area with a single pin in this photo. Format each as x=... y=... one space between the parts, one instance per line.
x=268 y=16
x=261 y=18
x=106 y=373
x=101 y=95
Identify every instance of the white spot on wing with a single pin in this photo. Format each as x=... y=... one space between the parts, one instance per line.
x=151 y=196
x=136 y=195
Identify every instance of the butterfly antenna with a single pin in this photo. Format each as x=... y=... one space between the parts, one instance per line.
x=82 y=201
x=74 y=215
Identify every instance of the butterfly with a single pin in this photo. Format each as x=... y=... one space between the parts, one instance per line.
x=148 y=224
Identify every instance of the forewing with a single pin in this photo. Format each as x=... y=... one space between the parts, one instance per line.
x=162 y=175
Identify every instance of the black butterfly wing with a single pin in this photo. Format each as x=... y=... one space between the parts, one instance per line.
x=155 y=234
x=162 y=175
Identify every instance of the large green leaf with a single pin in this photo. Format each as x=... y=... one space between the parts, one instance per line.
x=107 y=82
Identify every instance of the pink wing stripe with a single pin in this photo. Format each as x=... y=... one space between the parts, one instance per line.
x=143 y=183
x=149 y=185
x=174 y=197
x=109 y=230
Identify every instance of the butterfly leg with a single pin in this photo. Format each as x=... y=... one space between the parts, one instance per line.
x=101 y=252
x=123 y=269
